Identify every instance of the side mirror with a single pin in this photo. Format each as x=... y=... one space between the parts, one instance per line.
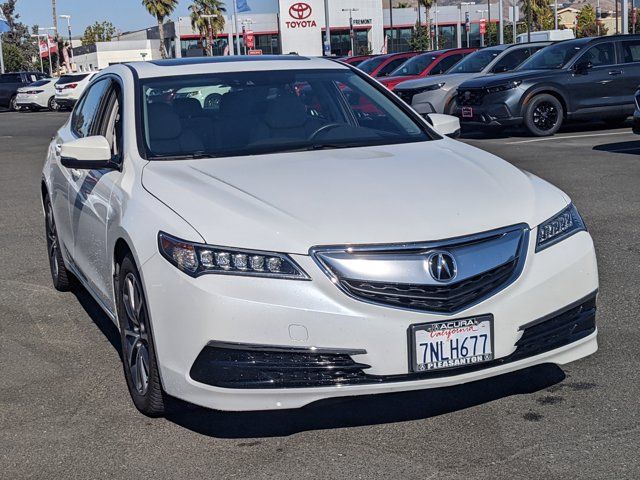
x=444 y=124
x=582 y=67
x=87 y=153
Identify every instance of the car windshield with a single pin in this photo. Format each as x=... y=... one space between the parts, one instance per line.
x=245 y=113
x=370 y=65
x=552 y=57
x=71 y=78
x=477 y=61
x=415 y=65
x=40 y=83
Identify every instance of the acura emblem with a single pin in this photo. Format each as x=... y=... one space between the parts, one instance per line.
x=442 y=266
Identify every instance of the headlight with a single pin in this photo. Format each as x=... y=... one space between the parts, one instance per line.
x=196 y=259
x=557 y=228
x=504 y=86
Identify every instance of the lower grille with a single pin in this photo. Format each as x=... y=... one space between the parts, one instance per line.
x=433 y=298
x=244 y=366
x=470 y=96
x=407 y=94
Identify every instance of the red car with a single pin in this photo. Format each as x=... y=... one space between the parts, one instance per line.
x=425 y=64
x=356 y=60
x=383 y=65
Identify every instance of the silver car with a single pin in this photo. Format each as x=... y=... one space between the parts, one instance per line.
x=437 y=94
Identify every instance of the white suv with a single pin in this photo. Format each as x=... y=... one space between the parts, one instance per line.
x=303 y=234
x=69 y=88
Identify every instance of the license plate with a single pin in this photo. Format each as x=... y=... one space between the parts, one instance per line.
x=467 y=112
x=452 y=344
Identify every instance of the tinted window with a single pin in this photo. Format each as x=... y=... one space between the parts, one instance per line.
x=511 y=60
x=370 y=65
x=630 y=51
x=553 y=57
x=445 y=64
x=415 y=65
x=269 y=112
x=391 y=66
x=40 y=83
x=598 y=55
x=477 y=61
x=71 y=78
x=10 y=78
x=84 y=115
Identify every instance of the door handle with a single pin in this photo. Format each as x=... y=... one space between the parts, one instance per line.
x=615 y=72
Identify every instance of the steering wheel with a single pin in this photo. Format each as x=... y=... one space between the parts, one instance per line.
x=324 y=128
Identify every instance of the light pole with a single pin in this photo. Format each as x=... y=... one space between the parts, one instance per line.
x=501 y=20
x=68 y=19
x=351 y=10
x=208 y=18
x=515 y=22
x=435 y=18
x=327 y=30
x=481 y=11
x=467 y=29
x=37 y=37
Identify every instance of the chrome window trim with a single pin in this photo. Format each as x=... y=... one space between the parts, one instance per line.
x=427 y=245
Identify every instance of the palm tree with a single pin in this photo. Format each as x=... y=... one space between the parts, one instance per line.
x=160 y=9
x=207 y=18
x=427 y=5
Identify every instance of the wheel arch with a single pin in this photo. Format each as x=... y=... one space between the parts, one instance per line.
x=548 y=90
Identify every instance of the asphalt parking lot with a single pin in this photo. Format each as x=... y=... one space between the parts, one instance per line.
x=65 y=411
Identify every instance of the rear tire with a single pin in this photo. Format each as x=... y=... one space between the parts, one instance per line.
x=12 y=104
x=61 y=277
x=138 y=350
x=52 y=105
x=543 y=116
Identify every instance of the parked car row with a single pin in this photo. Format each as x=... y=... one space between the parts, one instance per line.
x=537 y=85
x=35 y=91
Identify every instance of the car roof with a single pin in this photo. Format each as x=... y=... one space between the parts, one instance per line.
x=232 y=63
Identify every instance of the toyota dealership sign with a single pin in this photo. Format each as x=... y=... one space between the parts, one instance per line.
x=300 y=16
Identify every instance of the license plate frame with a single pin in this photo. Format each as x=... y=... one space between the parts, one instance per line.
x=467 y=112
x=487 y=325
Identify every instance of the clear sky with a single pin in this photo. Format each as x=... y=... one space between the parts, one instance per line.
x=124 y=14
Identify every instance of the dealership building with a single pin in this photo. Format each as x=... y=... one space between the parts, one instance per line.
x=300 y=27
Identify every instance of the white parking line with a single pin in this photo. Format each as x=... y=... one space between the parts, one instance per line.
x=570 y=136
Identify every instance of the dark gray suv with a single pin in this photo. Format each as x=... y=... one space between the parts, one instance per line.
x=11 y=82
x=576 y=79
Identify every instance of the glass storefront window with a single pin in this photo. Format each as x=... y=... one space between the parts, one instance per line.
x=341 y=42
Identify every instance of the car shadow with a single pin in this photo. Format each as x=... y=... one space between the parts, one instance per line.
x=629 y=148
x=338 y=412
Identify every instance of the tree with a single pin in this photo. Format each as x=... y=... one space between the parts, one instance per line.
x=427 y=4
x=420 y=39
x=98 y=32
x=206 y=26
x=161 y=9
x=540 y=13
x=586 y=23
x=18 y=47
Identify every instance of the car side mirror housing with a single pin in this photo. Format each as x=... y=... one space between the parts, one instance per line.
x=87 y=153
x=582 y=67
x=444 y=124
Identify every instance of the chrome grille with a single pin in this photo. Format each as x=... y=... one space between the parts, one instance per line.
x=398 y=275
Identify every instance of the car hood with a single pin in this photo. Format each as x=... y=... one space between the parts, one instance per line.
x=500 y=78
x=289 y=202
x=397 y=79
x=453 y=78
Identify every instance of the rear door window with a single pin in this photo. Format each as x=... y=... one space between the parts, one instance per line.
x=629 y=51
x=600 y=55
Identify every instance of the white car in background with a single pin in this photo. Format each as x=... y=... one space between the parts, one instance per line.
x=70 y=86
x=38 y=95
x=308 y=236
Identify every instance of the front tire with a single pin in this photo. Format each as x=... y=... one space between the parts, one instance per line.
x=12 y=104
x=138 y=350
x=60 y=276
x=543 y=116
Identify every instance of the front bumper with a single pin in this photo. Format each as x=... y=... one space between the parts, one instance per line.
x=66 y=102
x=187 y=314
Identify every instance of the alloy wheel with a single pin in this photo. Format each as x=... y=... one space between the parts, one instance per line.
x=136 y=336
x=545 y=116
x=52 y=242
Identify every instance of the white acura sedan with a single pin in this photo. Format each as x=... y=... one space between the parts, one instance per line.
x=298 y=233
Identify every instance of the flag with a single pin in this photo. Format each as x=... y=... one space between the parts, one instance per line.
x=4 y=24
x=44 y=50
x=242 y=6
